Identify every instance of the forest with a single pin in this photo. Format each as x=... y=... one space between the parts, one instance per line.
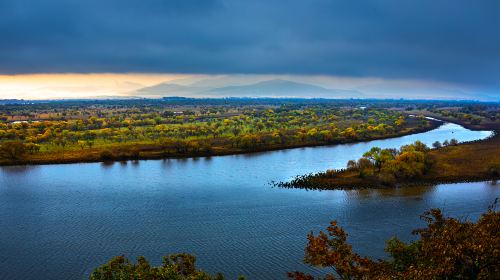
x=72 y=131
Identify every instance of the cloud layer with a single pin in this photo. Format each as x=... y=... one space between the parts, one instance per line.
x=447 y=40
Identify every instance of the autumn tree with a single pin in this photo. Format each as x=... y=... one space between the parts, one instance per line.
x=447 y=248
x=12 y=150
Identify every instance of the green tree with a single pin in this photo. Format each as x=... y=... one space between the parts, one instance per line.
x=379 y=156
x=437 y=145
x=174 y=267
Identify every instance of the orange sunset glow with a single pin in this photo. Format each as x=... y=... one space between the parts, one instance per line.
x=54 y=86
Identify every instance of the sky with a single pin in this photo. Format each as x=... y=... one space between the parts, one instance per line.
x=74 y=48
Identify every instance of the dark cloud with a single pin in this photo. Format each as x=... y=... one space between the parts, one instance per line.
x=446 y=40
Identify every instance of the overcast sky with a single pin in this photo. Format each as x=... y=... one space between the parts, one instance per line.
x=443 y=41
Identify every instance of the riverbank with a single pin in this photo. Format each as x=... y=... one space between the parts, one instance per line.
x=147 y=151
x=485 y=124
x=466 y=162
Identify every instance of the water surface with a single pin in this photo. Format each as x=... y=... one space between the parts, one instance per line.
x=61 y=221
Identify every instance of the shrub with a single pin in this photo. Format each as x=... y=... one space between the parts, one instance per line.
x=330 y=173
x=12 y=150
x=106 y=155
x=134 y=153
x=494 y=169
x=387 y=179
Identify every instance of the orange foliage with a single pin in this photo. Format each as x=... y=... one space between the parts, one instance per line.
x=447 y=249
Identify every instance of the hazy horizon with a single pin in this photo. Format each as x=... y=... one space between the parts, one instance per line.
x=112 y=85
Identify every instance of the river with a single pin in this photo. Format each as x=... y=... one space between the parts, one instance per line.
x=61 y=221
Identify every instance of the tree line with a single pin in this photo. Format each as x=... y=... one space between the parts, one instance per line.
x=197 y=131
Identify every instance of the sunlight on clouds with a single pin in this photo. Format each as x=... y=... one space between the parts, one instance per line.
x=68 y=86
x=50 y=86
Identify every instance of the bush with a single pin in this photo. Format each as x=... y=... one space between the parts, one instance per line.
x=134 y=153
x=494 y=169
x=106 y=155
x=12 y=150
x=387 y=179
x=330 y=173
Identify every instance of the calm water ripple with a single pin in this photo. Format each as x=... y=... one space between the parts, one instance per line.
x=61 y=221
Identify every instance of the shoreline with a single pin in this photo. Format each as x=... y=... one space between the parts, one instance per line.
x=466 y=162
x=377 y=185
x=468 y=125
x=158 y=155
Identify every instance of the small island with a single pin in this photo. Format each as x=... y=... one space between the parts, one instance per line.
x=414 y=164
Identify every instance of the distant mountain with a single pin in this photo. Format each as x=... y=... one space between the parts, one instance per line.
x=281 y=88
x=269 y=88
x=168 y=89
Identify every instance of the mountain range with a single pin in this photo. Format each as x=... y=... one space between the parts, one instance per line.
x=266 y=88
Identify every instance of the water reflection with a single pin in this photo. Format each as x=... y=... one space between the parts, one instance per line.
x=417 y=192
x=107 y=164
x=18 y=169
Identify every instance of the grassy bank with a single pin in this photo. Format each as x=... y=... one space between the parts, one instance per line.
x=467 y=162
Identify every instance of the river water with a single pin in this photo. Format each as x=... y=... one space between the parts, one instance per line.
x=61 y=221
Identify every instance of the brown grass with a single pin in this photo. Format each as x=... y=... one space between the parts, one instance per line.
x=466 y=162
